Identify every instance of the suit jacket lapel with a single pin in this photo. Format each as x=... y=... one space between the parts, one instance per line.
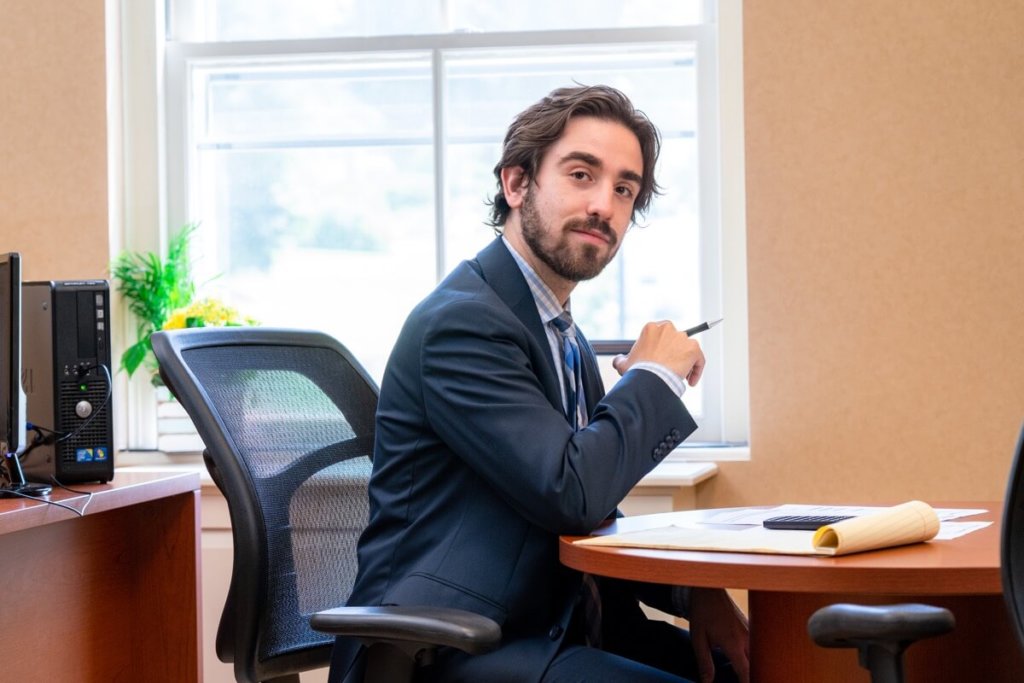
x=500 y=271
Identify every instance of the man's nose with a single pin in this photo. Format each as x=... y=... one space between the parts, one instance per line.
x=602 y=202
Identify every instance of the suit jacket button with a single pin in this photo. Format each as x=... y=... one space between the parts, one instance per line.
x=675 y=434
x=555 y=633
x=657 y=453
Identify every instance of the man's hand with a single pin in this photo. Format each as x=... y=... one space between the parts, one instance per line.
x=715 y=621
x=663 y=343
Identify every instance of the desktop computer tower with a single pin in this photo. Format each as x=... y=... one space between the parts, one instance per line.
x=67 y=378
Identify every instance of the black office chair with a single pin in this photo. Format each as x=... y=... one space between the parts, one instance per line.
x=881 y=634
x=1012 y=542
x=287 y=418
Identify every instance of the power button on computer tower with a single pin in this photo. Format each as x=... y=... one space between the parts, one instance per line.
x=83 y=409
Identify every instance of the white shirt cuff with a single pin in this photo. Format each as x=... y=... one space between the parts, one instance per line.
x=676 y=383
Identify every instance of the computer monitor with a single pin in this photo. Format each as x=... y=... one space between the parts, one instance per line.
x=12 y=395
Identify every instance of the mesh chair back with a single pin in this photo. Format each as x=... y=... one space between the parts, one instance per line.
x=1012 y=545
x=287 y=418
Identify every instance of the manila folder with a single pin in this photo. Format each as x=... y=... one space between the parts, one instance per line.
x=911 y=522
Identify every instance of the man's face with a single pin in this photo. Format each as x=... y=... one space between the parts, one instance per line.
x=575 y=212
x=570 y=259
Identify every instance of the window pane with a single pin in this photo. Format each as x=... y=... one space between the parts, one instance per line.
x=356 y=101
x=315 y=177
x=284 y=19
x=229 y=20
x=315 y=192
x=539 y=15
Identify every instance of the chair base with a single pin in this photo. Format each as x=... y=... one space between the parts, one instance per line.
x=884 y=662
x=389 y=663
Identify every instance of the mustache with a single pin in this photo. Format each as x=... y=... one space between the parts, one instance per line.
x=593 y=224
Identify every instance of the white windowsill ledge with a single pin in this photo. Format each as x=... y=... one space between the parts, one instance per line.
x=675 y=473
x=727 y=452
x=685 y=467
x=690 y=465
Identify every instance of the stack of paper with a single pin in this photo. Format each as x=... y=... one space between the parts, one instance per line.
x=911 y=522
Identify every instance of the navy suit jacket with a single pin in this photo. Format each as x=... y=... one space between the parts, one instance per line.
x=477 y=472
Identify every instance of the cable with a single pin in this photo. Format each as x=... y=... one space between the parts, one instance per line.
x=95 y=413
x=40 y=439
x=55 y=437
x=80 y=513
x=88 y=494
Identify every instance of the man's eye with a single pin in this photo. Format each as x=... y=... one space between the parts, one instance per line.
x=580 y=175
x=626 y=191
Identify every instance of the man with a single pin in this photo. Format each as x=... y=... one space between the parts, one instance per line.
x=489 y=446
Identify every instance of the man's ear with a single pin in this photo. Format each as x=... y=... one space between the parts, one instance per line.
x=514 y=182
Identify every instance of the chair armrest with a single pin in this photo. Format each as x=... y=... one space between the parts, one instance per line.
x=846 y=625
x=439 y=626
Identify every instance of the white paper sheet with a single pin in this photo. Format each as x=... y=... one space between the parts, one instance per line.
x=757 y=516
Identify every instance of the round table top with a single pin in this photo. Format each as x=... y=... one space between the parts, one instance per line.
x=968 y=565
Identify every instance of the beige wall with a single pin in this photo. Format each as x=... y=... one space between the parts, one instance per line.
x=885 y=195
x=53 y=137
x=885 y=182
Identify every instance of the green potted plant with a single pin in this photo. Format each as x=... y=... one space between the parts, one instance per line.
x=161 y=295
x=154 y=288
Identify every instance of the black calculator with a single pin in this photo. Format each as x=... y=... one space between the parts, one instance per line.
x=803 y=522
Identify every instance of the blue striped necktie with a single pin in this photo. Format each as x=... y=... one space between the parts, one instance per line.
x=572 y=364
x=572 y=369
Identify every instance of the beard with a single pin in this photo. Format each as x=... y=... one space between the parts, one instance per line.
x=554 y=249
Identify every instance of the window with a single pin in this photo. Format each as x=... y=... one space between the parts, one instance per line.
x=338 y=157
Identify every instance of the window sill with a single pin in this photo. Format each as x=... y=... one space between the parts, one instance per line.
x=689 y=465
x=710 y=452
x=157 y=461
x=679 y=473
x=686 y=466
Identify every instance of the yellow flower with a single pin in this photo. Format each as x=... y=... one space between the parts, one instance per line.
x=176 y=321
x=206 y=312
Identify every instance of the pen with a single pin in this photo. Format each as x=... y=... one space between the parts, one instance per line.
x=611 y=347
x=702 y=327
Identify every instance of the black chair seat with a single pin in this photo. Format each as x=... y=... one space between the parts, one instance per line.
x=846 y=625
x=880 y=634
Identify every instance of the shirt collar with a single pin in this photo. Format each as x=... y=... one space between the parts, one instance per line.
x=547 y=304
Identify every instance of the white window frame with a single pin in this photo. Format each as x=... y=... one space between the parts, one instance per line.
x=154 y=144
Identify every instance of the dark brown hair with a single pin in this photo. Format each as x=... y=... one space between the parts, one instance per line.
x=537 y=128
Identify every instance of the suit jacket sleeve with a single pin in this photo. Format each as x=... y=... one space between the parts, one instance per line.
x=485 y=399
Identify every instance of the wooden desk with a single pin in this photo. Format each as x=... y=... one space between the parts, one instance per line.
x=110 y=596
x=961 y=575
